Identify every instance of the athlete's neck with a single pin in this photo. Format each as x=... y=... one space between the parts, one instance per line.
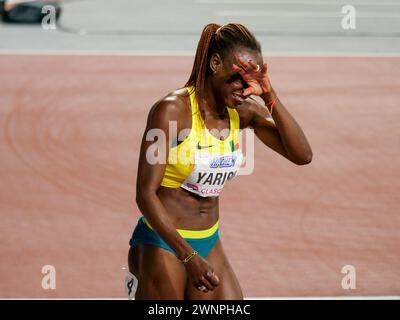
x=212 y=106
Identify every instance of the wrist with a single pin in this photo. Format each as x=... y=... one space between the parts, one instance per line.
x=183 y=253
x=189 y=258
x=269 y=96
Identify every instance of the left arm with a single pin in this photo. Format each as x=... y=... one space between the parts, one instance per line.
x=284 y=134
x=291 y=137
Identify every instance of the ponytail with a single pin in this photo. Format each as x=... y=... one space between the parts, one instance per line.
x=201 y=60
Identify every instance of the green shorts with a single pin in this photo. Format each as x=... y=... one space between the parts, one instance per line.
x=201 y=240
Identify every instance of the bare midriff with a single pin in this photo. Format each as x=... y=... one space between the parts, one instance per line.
x=189 y=211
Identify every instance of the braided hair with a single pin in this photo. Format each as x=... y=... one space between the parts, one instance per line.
x=217 y=39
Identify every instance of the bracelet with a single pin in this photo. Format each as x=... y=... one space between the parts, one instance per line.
x=190 y=256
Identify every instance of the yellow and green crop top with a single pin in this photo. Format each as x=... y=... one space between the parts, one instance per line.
x=202 y=163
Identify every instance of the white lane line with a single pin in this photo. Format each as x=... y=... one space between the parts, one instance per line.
x=300 y=2
x=328 y=298
x=246 y=298
x=155 y=53
x=150 y=53
x=302 y=14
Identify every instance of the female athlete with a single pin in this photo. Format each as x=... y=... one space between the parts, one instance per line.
x=175 y=250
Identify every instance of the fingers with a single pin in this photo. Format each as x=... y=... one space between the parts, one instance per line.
x=249 y=66
x=254 y=65
x=212 y=277
x=202 y=288
x=248 y=91
x=202 y=274
x=244 y=65
x=208 y=282
x=264 y=68
x=236 y=68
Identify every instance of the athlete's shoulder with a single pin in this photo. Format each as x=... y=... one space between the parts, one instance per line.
x=172 y=107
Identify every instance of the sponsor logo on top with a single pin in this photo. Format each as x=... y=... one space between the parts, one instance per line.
x=223 y=162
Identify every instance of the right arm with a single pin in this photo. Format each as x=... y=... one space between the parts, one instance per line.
x=148 y=181
x=150 y=176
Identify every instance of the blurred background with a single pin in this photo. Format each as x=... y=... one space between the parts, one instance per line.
x=282 y=26
x=77 y=79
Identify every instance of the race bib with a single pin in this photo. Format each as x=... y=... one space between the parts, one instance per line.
x=211 y=172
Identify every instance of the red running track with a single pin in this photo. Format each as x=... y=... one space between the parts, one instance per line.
x=70 y=129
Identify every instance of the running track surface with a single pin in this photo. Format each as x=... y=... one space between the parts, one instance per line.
x=70 y=129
